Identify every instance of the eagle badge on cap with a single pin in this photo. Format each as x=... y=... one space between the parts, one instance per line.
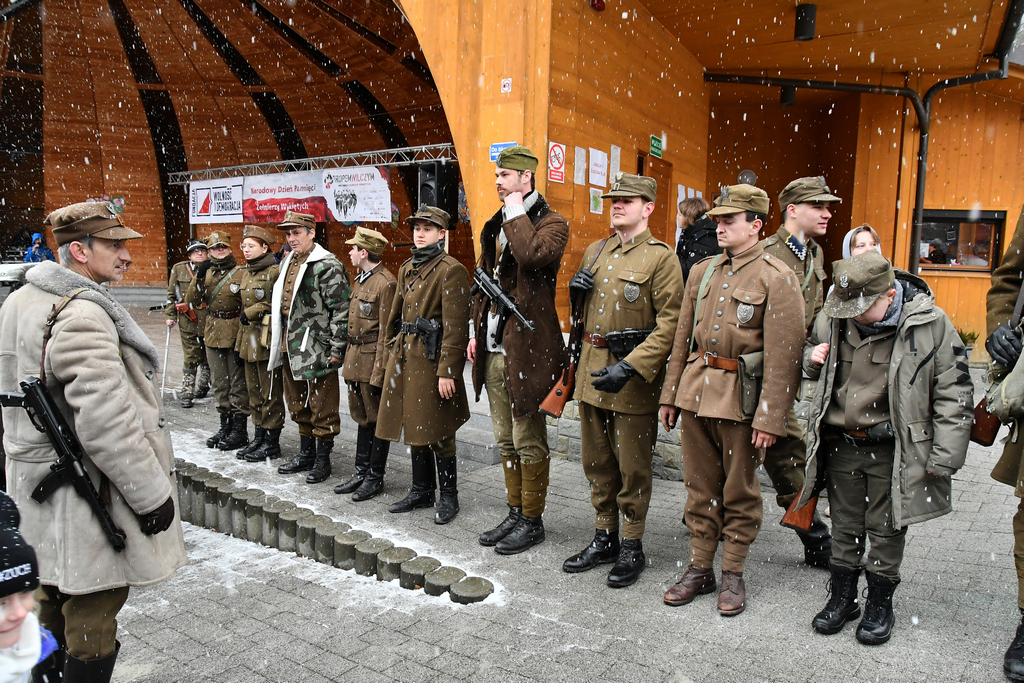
x=725 y=191
x=745 y=312
x=631 y=291
x=844 y=281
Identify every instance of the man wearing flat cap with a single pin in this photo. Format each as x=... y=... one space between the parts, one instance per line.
x=734 y=368
x=631 y=284
x=309 y=330
x=102 y=372
x=806 y=205
x=889 y=425
x=191 y=324
x=521 y=247
x=216 y=290
x=365 y=360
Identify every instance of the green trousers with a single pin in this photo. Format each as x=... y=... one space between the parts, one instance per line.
x=86 y=624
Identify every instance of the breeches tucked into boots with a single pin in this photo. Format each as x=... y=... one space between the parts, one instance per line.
x=723 y=493
x=228 y=380
x=617 y=453
x=87 y=623
x=784 y=462
x=313 y=404
x=266 y=395
x=523 y=444
x=363 y=404
x=859 y=488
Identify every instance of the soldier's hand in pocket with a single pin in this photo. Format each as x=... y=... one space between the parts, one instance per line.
x=158 y=520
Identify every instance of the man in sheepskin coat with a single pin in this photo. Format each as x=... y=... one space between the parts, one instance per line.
x=102 y=371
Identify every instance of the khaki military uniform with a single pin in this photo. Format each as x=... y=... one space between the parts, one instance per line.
x=219 y=296
x=373 y=292
x=192 y=345
x=751 y=304
x=784 y=462
x=266 y=402
x=637 y=285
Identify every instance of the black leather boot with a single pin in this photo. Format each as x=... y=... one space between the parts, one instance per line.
x=373 y=484
x=421 y=495
x=364 y=447
x=322 y=465
x=528 y=533
x=448 y=483
x=225 y=427
x=1013 y=660
x=239 y=434
x=817 y=544
x=304 y=460
x=269 y=449
x=604 y=549
x=876 y=626
x=259 y=434
x=90 y=671
x=489 y=538
x=842 y=605
x=630 y=564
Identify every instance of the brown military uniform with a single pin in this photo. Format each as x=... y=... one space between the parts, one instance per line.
x=637 y=285
x=751 y=304
x=266 y=402
x=192 y=345
x=366 y=356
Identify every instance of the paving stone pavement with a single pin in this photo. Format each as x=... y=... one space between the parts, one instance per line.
x=241 y=612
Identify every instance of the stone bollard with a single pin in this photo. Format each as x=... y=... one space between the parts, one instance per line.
x=287 y=528
x=198 y=494
x=178 y=462
x=323 y=541
x=184 y=477
x=238 y=505
x=225 y=506
x=366 y=555
x=414 y=571
x=470 y=589
x=441 y=579
x=345 y=548
x=389 y=563
x=253 y=510
x=305 y=534
x=271 y=511
x=209 y=511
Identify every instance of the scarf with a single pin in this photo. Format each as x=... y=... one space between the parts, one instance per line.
x=421 y=257
x=23 y=655
x=261 y=263
x=891 y=319
x=222 y=264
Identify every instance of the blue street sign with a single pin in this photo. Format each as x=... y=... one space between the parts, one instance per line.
x=498 y=146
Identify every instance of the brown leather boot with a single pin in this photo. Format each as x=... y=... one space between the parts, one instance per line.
x=732 y=599
x=695 y=581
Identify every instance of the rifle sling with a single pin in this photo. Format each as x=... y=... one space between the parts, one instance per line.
x=578 y=312
x=51 y=320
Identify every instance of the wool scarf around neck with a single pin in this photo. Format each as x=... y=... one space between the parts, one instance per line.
x=892 y=315
x=261 y=263
x=427 y=254
x=226 y=263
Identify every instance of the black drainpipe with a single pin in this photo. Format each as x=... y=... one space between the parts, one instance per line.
x=922 y=106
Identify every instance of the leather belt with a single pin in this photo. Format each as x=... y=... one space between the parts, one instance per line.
x=368 y=338
x=854 y=437
x=409 y=328
x=226 y=315
x=713 y=360
x=596 y=340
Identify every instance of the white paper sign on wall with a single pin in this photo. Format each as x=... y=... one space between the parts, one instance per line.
x=506 y=85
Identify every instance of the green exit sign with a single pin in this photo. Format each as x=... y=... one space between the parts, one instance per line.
x=656 y=146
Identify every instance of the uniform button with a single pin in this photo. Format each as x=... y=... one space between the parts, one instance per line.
x=715 y=328
x=609 y=268
x=730 y=273
x=725 y=286
x=714 y=341
x=602 y=295
x=149 y=374
x=160 y=422
x=721 y=299
x=597 y=327
x=719 y=314
x=616 y=256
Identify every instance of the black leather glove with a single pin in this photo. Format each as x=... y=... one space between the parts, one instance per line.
x=202 y=268
x=243 y=318
x=613 y=377
x=376 y=391
x=582 y=281
x=158 y=520
x=1004 y=346
x=238 y=360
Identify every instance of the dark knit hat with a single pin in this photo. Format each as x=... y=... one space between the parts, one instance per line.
x=19 y=569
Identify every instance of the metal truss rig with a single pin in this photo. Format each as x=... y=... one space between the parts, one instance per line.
x=403 y=156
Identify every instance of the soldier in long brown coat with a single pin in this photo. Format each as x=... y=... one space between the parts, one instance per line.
x=426 y=397
x=373 y=292
x=522 y=248
x=215 y=289
x=191 y=325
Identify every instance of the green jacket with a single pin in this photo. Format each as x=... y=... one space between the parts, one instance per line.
x=257 y=280
x=317 y=325
x=931 y=398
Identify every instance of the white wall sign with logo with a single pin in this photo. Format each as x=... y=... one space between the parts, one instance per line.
x=556 y=162
x=579 y=171
x=215 y=201
x=615 y=161
x=598 y=167
x=360 y=193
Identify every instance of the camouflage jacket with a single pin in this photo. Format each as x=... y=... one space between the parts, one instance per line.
x=317 y=324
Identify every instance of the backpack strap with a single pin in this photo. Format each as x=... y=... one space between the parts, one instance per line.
x=51 y=320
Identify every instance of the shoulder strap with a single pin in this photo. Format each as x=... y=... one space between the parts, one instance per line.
x=51 y=320
x=1017 y=309
x=223 y=280
x=700 y=295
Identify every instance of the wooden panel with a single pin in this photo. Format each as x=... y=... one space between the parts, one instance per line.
x=962 y=297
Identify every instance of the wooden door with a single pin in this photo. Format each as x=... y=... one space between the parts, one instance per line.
x=662 y=222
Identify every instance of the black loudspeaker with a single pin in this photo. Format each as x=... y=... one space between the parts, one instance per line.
x=439 y=186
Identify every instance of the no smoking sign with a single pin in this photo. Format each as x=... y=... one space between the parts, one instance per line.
x=506 y=85
x=556 y=162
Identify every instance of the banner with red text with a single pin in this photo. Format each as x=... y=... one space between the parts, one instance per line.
x=267 y=198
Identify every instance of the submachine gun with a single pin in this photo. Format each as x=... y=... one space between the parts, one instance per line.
x=482 y=282
x=38 y=402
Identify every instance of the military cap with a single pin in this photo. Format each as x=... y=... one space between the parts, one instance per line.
x=740 y=198
x=88 y=219
x=294 y=219
x=629 y=185
x=804 y=190
x=195 y=244
x=260 y=233
x=370 y=240
x=517 y=158
x=218 y=238
x=860 y=280
x=430 y=214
